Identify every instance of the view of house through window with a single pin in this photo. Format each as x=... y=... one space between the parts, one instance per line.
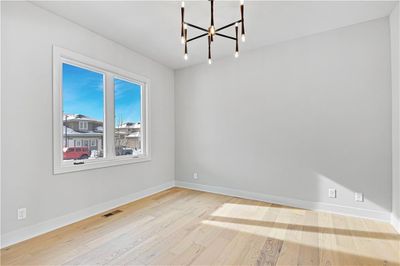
x=127 y=97
x=83 y=113
x=100 y=114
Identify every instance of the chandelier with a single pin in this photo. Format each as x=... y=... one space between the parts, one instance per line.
x=212 y=31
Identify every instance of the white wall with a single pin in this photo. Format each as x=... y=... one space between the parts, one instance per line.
x=28 y=34
x=395 y=35
x=292 y=120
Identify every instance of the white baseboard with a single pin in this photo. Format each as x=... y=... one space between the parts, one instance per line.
x=50 y=225
x=317 y=206
x=395 y=222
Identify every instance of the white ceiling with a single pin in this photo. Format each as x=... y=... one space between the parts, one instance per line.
x=152 y=28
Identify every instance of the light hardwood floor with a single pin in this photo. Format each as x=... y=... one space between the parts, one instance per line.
x=181 y=227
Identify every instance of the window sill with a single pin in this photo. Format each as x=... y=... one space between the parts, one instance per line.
x=67 y=167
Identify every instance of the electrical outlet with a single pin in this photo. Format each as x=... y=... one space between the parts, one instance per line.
x=21 y=213
x=332 y=193
x=358 y=197
x=195 y=176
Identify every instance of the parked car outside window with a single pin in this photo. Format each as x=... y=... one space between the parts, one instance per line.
x=73 y=153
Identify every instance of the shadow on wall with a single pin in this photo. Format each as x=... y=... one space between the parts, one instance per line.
x=349 y=195
x=288 y=177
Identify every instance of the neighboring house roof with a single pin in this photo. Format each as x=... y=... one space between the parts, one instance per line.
x=121 y=133
x=134 y=135
x=72 y=133
x=129 y=125
x=79 y=117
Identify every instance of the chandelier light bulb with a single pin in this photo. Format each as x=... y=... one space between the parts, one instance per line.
x=243 y=38
x=209 y=61
x=236 y=54
x=183 y=4
x=186 y=57
x=241 y=2
x=183 y=40
x=212 y=30
x=185 y=26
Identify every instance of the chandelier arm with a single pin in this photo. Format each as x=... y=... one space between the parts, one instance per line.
x=209 y=48
x=229 y=25
x=194 y=38
x=186 y=42
x=237 y=40
x=182 y=20
x=196 y=27
x=242 y=17
x=225 y=36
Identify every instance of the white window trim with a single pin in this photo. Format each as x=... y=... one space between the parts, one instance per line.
x=61 y=55
x=85 y=125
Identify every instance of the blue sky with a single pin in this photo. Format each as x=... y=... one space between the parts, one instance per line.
x=83 y=94
x=127 y=101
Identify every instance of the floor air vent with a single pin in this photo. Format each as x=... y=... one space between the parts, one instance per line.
x=112 y=213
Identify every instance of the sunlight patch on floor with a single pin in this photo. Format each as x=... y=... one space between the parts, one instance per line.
x=344 y=244
x=242 y=211
x=245 y=228
x=319 y=230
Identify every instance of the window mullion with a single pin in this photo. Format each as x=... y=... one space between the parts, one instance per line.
x=109 y=116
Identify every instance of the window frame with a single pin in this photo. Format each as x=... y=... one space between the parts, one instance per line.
x=60 y=56
x=85 y=125
x=141 y=102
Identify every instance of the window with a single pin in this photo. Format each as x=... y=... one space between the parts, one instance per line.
x=82 y=105
x=77 y=143
x=127 y=105
x=102 y=109
x=83 y=125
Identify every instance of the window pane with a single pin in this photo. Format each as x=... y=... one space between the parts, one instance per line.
x=128 y=108
x=83 y=112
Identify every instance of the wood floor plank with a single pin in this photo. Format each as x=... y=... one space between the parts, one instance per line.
x=309 y=250
x=291 y=247
x=186 y=227
x=327 y=240
x=270 y=251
